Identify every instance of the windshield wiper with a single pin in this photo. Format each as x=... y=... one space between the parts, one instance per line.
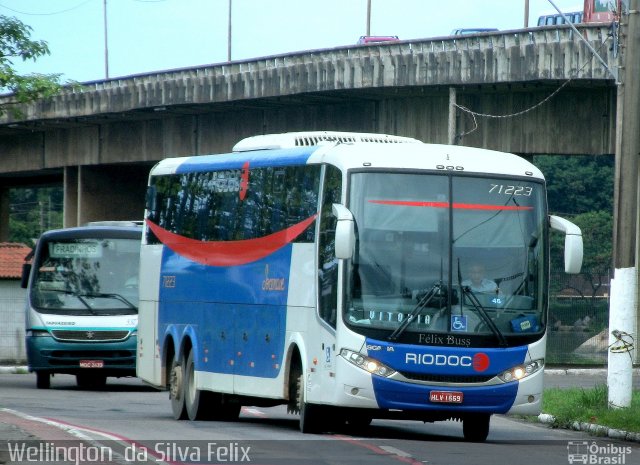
x=466 y=290
x=423 y=302
x=76 y=295
x=104 y=295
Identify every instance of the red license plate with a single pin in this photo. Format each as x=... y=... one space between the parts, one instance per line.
x=446 y=397
x=91 y=363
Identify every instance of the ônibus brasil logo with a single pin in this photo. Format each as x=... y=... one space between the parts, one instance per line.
x=479 y=361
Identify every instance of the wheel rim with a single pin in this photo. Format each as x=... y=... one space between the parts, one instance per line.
x=176 y=382
x=191 y=383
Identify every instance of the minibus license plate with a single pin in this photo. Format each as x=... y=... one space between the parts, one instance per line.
x=91 y=363
x=446 y=397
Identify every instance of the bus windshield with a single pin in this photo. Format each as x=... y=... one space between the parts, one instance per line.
x=87 y=277
x=448 y=255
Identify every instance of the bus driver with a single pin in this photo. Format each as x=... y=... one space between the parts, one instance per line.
x=477 y=282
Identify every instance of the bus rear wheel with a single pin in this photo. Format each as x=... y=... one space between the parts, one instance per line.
x=475 y=428
x=198 y=403
x=176 y=390
x=206 y=405
x=43 y=379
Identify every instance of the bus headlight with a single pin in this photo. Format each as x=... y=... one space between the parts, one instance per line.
x=521 y=371
x=367 y=363
x=37 y=333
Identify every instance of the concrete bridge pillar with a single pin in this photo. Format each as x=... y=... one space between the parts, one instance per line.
x=104 y=193
x=70 y=196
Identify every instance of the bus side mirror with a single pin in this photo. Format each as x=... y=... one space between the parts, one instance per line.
x=150 y=199
x=573 y=248
x=26 y=271
x=345 y=231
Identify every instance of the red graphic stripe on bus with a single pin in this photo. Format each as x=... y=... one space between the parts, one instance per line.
x=464 y=206
x=406 y=203
x=228 y=253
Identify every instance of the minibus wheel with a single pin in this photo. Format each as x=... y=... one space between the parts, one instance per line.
x=43 y=379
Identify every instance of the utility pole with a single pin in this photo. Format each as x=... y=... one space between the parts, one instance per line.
x=368 y=18
x=229 y=34
x=623 y=311
x=526 y=13
x=106 y=42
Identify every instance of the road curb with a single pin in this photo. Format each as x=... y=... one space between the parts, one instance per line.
x=13 y=369
x=596 y=430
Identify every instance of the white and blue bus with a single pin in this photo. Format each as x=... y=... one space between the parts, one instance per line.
x=82 y=303
x=328 y=272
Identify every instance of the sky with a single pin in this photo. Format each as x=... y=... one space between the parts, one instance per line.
x=156 y=35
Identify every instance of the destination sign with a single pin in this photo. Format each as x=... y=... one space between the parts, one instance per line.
x=75 y=249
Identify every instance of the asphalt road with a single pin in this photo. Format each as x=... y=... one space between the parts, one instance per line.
x=126 y=415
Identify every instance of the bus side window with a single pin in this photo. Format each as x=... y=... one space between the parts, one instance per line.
x=327 y=261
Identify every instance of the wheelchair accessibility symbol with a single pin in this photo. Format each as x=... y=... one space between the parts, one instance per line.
x=459 y=323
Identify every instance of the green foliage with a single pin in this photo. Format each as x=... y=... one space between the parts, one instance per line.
x=578 y=184
x=580 y=188
x=590 y=406
x=15 y=43
x=34 y=211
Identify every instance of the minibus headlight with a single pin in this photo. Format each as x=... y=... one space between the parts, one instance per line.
x=37 y=333
x=521 y=371
x=367 y=363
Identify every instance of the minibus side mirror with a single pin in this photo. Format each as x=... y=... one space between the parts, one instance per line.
x=26 y=271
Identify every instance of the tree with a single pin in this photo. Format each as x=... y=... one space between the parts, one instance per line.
x=580 y=188
x=578 y=184
x=33 y=211
x=16 y=43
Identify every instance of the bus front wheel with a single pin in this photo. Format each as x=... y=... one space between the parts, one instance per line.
x=43 y=379
x=311 y=420
x=475 y=428
x=176 y=390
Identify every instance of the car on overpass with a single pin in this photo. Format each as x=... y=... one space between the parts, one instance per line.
x=369 y=40
x=476 y=30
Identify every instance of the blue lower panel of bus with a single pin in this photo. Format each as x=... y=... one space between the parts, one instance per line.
x=402 y=396
x=230 y=338
x=245 y=337
x=47 y=354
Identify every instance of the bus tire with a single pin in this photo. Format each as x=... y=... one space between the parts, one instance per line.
x=197 y=403
x=176 y=390
x=43 y=379
x=311 y=420
x=90 y=380
x=475 y=428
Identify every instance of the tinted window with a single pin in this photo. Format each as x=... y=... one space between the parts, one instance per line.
x=208 y=206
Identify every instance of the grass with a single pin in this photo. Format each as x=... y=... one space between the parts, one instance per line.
x=569 y=405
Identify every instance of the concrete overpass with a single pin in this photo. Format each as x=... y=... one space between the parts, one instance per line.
x=99 y=141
